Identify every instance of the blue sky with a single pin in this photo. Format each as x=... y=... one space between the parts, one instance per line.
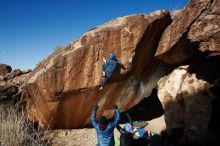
x=30 y=29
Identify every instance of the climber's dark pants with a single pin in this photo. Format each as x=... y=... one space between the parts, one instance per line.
x=108 y=74
x=107 y=78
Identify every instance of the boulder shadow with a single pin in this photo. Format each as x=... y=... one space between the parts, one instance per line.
x=147 y=109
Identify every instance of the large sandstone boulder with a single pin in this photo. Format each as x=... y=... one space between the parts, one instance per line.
x=64 y=87
x=186 y=103
x=196 y=27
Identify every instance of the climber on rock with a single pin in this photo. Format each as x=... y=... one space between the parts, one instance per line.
x=109 y=68
x=105 y=128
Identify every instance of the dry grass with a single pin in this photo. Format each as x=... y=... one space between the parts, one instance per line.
x=15 y=130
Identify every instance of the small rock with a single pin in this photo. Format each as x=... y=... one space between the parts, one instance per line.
x=4 y=69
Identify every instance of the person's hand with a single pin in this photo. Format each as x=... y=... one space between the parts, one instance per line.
x=104 y=60
x=115 y=106
x=96 y=107
x=130 y=61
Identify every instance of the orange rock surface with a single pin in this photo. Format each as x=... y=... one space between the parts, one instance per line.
x=64 y=87
x=196 y=27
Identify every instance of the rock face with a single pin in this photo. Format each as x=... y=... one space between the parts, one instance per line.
x=196 y=27
x=175 y=13
x=4 y=69
x=64 y=87
x=186 y=104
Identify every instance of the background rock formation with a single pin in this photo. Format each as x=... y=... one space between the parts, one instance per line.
x=11 y=82
x=4 y=69
x=63 y=88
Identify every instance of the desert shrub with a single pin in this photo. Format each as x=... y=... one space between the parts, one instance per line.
x=58 y=48
x=15 y=130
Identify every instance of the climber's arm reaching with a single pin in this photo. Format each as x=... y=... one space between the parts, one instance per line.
x=93 y=117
